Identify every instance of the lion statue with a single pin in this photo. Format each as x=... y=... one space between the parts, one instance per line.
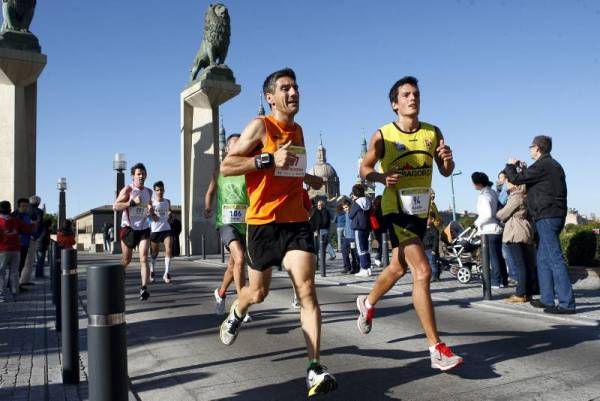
x=17 y=15
x=217 y=30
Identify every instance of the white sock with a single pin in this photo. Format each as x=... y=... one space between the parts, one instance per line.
x=368 y=304
x=432 y=348
x=152 y=263
x=167 y=264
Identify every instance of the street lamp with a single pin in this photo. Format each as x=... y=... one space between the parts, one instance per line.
x=119 y=165
x=61 y=185
x=452 y=187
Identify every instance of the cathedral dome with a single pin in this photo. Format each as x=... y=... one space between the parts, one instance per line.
x=331 y=185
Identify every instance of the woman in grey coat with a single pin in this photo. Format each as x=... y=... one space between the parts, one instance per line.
x=518 y=237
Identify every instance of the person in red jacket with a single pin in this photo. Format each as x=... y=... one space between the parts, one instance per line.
x=10 y=245
x=66 y=236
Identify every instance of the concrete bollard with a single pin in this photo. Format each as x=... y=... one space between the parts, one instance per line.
x=107 y=333
x=385 y=257
x=485 y=268
x=70 y=321
x=322 y=249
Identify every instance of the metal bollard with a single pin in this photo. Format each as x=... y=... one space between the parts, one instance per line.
x=485 y=268
x=50 y=269
x=56 y=295
x=107 y=333
x=203 y=247
x=222 y=250
x=385 y=257
x=70 y=323
x=322 y=249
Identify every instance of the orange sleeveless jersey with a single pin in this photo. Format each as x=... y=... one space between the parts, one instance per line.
x=275 y=199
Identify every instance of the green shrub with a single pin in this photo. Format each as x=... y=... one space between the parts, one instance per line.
x=579 y=245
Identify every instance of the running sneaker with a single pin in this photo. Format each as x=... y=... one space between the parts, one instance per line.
x=295 y=303
x=319 y=381
x=144 y=294
x=219 y=303
x=152 y=276
x=230 y=326
x=248 y=318
x=365 y=317
x=167 y=278
x=443 y=358
x=364 y=273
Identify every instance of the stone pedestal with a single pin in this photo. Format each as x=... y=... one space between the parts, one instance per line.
x=200 y=154
x=19 y=71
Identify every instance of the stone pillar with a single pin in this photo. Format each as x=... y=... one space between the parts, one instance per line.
x=200 y=103
x=19 y=71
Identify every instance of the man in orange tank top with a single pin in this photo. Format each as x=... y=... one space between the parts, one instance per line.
x=270 y=152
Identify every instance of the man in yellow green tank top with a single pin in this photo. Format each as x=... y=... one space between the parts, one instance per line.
x=407 y=150
x=232 y=202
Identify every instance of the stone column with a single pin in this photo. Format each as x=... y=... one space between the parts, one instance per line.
x=19 y=71
x=200 y=103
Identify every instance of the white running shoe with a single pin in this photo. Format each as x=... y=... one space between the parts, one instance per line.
x=248 y=318
x=319 y=381
x=443 y=358
x=219 y=303
x=364 y=273
x=295 y=303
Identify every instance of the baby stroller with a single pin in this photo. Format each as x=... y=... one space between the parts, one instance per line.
x=461 y=256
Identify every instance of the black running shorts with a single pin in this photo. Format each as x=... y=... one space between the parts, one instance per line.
x=267 y=244
x=132 y=238
x=229 y=234
x=404 y=227
x=160 y=236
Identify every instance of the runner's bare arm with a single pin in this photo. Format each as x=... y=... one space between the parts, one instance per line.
x=443 y=156
x=239 y=159
x=122 y=201
x=373 y=155
x=212 y=187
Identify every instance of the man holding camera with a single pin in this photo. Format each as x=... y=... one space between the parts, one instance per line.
x=547 y=205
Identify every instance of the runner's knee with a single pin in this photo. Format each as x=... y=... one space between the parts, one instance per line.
x=259 y=295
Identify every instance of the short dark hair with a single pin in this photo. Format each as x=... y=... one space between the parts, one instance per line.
x=393 y=95
x=544 y=143
x=22 y=200
x=138 y=166
x=358 y=190
x=5 y=207
x=481 y=178
x=230 y=137
x=269 y=84
x=346 y=202
x=159 y=184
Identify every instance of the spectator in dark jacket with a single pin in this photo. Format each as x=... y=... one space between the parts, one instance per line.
x=359 y=213
x=42 y=247
x=431 y=241
x=547 y=205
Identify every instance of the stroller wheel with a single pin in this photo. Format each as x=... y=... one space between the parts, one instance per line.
x=463 y=275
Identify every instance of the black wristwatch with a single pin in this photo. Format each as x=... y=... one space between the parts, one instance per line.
x=264 y=160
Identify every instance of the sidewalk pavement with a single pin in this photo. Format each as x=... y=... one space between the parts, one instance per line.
x=30 y=360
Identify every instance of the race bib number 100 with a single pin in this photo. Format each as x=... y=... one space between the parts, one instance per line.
x=232 y=214
x=415 y=201
x=298 y=167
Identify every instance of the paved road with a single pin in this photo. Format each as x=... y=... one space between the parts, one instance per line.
x=175 y=353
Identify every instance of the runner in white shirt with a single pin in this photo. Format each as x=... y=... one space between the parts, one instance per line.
x=135 y=202
x=160 y=230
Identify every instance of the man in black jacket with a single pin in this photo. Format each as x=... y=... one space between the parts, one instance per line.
x=547 y=205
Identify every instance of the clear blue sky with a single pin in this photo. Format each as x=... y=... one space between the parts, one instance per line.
x=492 y=75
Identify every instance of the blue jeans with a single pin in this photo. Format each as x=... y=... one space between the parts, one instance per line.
x=518 y=256
x=432 y=258
x=552 y=269
x=510 y=267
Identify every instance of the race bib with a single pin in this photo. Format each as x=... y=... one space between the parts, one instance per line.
x=414 y=201
x=138 y=211
x=232 y=214
x=298 y=167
